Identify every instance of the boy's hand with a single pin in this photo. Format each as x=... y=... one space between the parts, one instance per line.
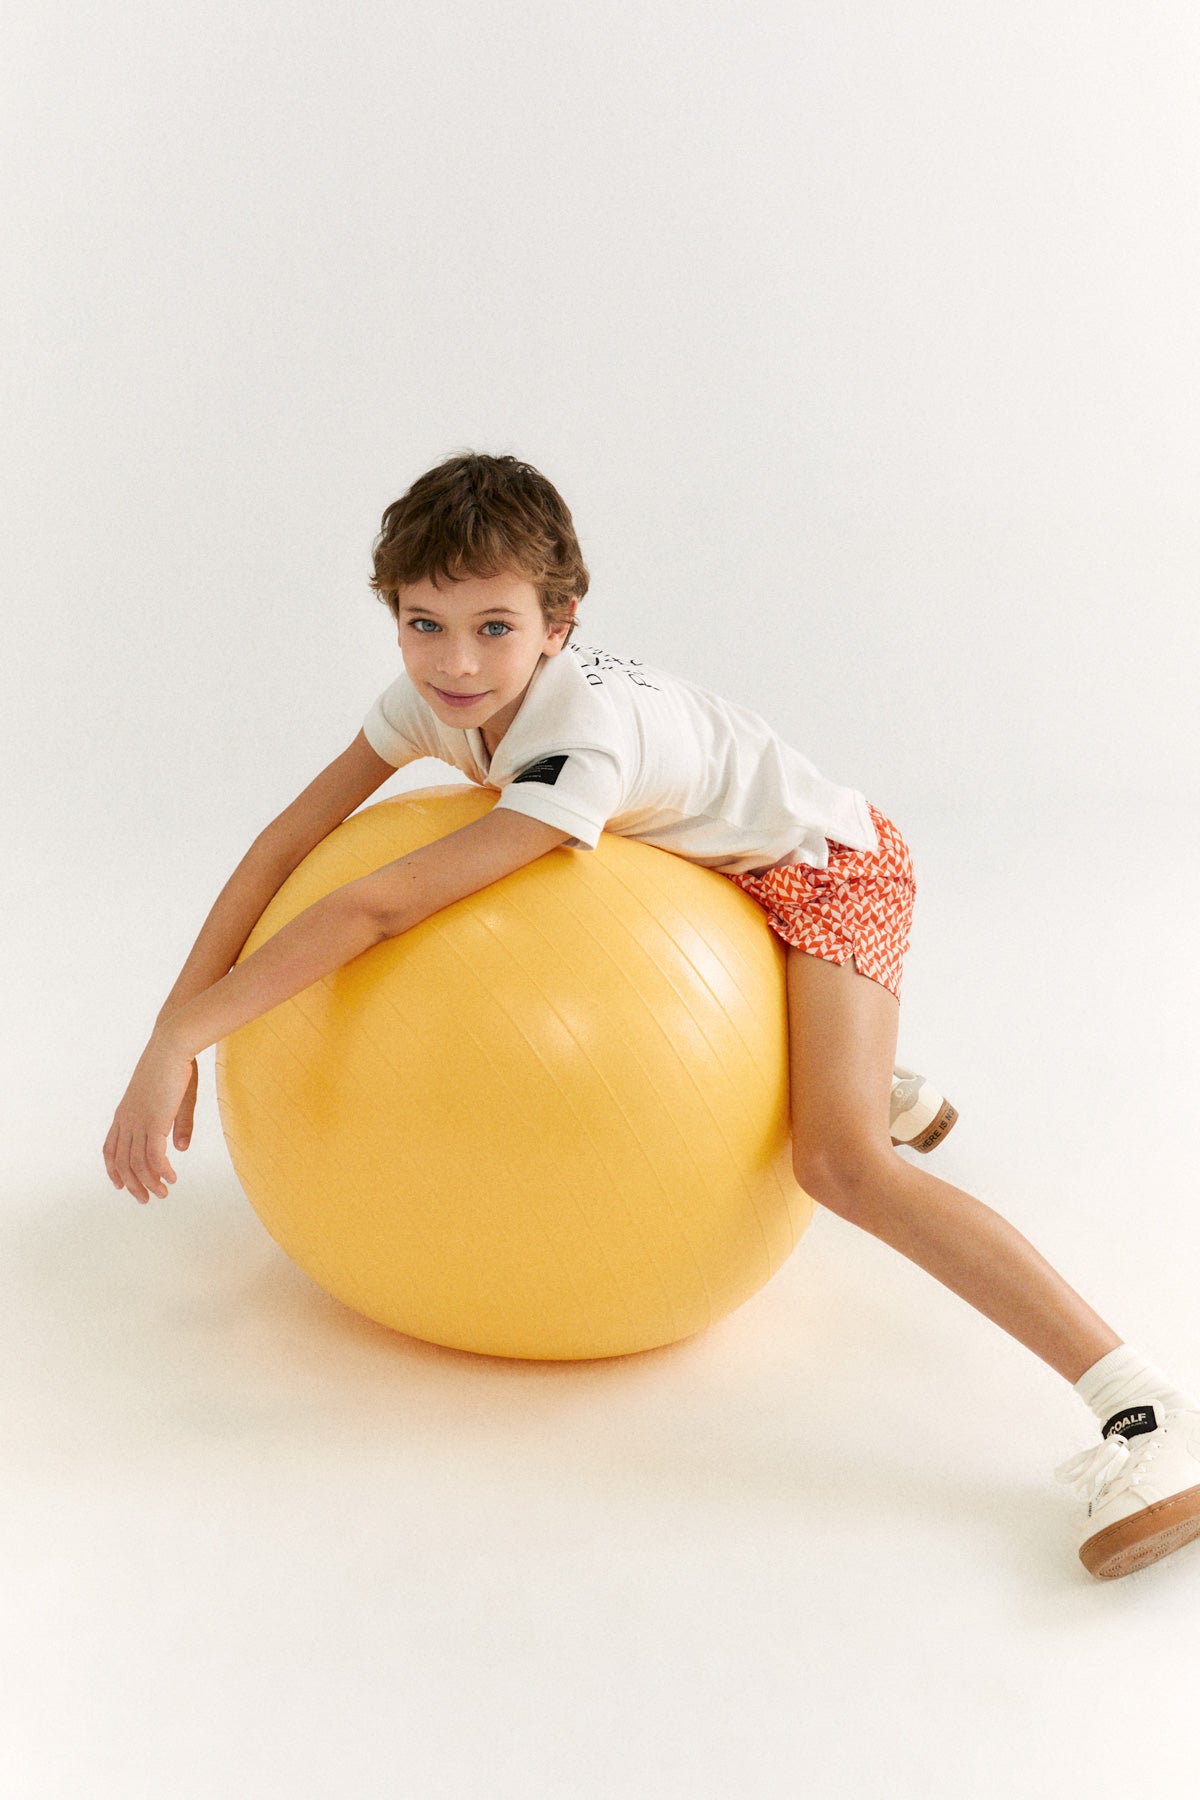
x=161 y=1092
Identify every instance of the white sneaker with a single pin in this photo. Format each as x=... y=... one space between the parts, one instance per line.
x=1142 y=1486
x=921 y=1116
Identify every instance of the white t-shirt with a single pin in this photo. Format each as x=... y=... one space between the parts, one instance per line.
x=602 y=743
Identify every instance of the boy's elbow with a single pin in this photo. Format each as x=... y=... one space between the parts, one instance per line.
x=403 y=893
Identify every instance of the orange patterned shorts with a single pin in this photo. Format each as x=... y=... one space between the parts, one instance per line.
x=860 y=905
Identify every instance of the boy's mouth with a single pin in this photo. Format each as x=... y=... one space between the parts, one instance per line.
x=460 y=699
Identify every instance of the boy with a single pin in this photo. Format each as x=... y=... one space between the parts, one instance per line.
x=479 y=565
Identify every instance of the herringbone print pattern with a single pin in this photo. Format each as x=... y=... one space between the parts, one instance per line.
x=860 y=905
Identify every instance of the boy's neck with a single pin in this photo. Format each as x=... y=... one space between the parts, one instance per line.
x=485 y=736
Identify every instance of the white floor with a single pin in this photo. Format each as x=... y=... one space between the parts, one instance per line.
x=255 y=1546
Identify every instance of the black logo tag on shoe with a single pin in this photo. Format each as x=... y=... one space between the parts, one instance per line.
x=1135 y=1421
x=548 y=770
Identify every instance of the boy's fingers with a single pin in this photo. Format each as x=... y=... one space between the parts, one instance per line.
x=119 y=1158
x=120 y=1161
x=162 y=1167
x=143 y=1169
x=116 y=1160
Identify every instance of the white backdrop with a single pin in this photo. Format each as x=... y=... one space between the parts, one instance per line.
x=861 y=341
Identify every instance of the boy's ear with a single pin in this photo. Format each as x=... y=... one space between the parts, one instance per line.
x=562 y=626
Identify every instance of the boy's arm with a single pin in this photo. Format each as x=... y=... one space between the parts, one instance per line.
x=320 y=939
x=278 y=849
x=275 y=852
x=353 y=918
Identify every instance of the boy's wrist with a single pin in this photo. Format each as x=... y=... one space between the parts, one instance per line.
x=167 y=1039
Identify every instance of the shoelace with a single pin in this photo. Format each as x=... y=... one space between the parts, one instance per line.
x=1114 y=1460
x=1094 y=1468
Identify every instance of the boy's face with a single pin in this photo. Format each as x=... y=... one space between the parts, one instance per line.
x=479 y=638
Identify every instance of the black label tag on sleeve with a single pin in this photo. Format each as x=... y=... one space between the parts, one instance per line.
x=1135 y=1421
x=548 y=770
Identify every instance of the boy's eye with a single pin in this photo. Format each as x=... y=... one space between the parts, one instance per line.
x=504 y=629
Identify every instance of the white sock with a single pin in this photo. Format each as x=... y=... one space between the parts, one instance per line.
x=1123 y=1379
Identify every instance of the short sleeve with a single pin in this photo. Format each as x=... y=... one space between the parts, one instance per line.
x=383 y=736
x=576 y=790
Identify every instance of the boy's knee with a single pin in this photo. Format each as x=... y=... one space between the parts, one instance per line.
x=847 y=1177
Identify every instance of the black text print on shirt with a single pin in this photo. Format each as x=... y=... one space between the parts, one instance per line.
x=591 y=661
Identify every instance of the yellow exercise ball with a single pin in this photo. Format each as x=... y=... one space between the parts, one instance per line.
x=550 y=1121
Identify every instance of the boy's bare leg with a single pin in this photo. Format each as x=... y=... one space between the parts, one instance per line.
x=843 y=1031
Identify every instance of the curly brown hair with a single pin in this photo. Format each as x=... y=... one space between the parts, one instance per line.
x=476 y=515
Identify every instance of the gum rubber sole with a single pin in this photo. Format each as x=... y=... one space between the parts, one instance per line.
x=1136 y=1542
x=934 y=1132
